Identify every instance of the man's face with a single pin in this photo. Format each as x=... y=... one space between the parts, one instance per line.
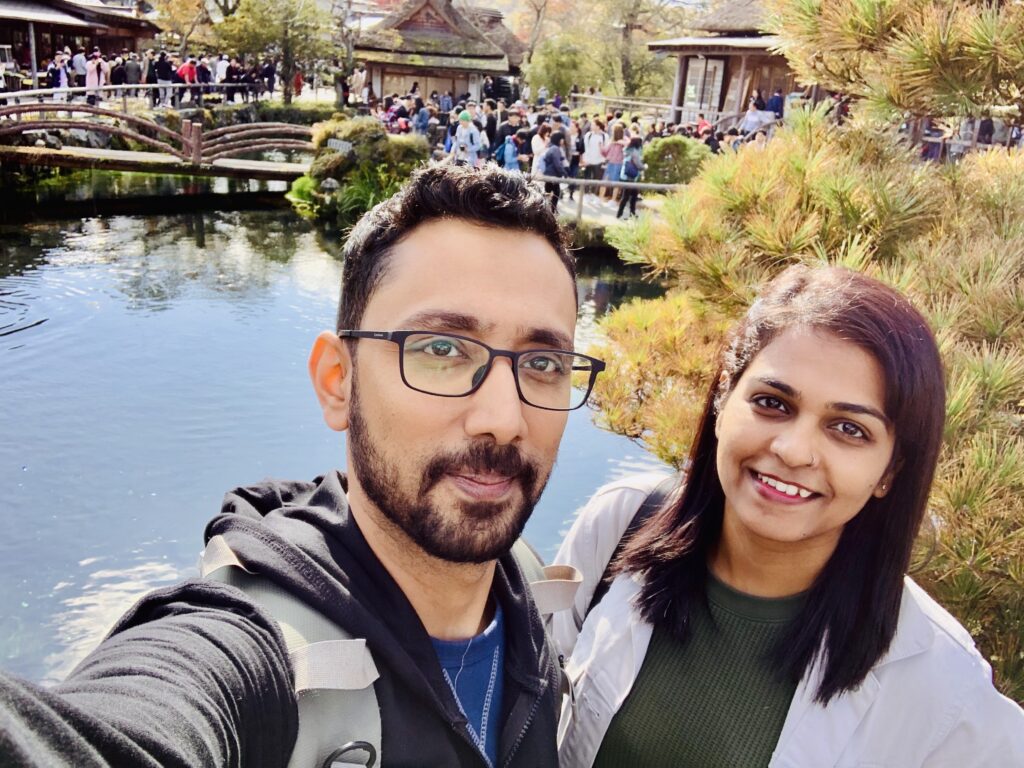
x=459 y=475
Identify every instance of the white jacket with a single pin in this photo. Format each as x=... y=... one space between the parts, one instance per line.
x=928 y=703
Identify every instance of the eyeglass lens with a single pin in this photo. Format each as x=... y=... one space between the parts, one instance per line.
x=447 y=365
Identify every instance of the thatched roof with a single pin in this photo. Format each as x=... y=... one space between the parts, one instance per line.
x=430 y=27
x=734 y=16
x=492 y=23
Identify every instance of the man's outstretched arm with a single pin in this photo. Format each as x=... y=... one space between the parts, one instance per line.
x=193 y=675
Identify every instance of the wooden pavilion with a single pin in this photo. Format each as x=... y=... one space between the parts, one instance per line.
x=438 y=46
x=718 y=71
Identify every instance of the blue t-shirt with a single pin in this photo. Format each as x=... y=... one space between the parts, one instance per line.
x=474 y=669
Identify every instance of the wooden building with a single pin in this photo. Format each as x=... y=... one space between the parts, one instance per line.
x=35 y=29
x=439 y=47
x=718 y=71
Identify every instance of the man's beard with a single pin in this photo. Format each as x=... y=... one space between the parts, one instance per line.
x=480 y=531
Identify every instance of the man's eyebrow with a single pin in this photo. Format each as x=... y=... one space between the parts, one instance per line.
x=547 y=337
x=789 y=391
x=444 y=320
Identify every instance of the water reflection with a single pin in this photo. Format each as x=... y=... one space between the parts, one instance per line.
x=153 y=362
x=85 y=617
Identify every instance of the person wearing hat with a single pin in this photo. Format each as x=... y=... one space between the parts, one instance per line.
x=466 y=147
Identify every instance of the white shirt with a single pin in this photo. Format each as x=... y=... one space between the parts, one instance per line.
x=221 y=70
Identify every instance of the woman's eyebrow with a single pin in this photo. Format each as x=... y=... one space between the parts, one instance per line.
x=789 y=391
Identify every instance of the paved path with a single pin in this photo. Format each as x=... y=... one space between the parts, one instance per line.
x=150 y=162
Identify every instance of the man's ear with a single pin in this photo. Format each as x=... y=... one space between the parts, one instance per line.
x=330 y=370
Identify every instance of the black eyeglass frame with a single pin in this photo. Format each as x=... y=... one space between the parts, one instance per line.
x=399 y=337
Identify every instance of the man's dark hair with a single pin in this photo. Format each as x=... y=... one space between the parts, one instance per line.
x=488 y=196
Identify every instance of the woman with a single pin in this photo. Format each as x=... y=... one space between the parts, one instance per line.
x=553 y=163
x=538 y=145
x=762 y=616
x=632 y=169
x=613 y=153
x=574 y=145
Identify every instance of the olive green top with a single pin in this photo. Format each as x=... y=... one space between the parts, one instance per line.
x=714 y=701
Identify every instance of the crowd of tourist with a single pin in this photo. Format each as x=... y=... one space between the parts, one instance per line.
x=547 y=138
x=198 y=74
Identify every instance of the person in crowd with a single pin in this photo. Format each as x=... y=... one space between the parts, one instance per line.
x=79 y=65
x=751 y=121
x=613 y=152
x=96 y=76
x=713 y=141
x=164 y=72
x=466 y=144
x=507 y=155
x=593 y=152
x=574 y=148
x=133 y=72
x=758 y=100
x=204 y=75
x=632 y=170
x=448 y=369
x=359 y=83
x=189 y=77
x=232 y=78
x=149 y=77
x=508 y=128
x=268 y=72
x=298 y=82
x=118 y=74
x=733 y=140
x=60 y=77
x=489 y=121
x=761 y=612
x=415 y=90
x=776 y=104
x=553 y=163
x=538 y=146
x=488 y=88
x=422 y=122
x=542 y=96
x=221 y=70
x=446 y=102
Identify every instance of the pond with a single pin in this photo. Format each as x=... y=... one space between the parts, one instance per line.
x=152 y=362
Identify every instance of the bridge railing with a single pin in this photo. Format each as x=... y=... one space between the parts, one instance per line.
x=583 y=184
x=173 y=93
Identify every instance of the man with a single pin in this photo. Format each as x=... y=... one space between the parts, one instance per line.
x=777 y=104
x=466 y=143
x=164 y=70
x=509 y=128
x=132 y=72
x=489 y=120
x=80 y=66
x=445 y=370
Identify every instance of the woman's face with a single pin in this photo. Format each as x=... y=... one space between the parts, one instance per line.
x=803 y=442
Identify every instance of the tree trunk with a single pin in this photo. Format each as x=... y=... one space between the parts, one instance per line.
x=540 y=10
x=287 y=67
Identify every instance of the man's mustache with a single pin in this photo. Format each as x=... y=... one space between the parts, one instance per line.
x=481 y=458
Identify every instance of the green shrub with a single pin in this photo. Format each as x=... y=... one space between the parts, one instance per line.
x=305 y=113
x=674 y=159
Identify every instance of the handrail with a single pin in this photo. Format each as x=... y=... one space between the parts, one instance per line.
x=88 y=109
x=38 y=93
x=584 y=183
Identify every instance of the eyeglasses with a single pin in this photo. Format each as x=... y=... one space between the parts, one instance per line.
x=449 y=365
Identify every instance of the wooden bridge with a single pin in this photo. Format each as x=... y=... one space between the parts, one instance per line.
x=190 y=151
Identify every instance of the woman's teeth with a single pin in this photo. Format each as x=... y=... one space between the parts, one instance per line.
x=786 y=488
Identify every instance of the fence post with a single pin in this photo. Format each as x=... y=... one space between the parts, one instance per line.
x=582 y=189
x=186 y=137
x=197 y=143
x=124 y=100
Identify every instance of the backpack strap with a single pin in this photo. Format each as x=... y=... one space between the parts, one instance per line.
x=339 y=717
x=654 y=501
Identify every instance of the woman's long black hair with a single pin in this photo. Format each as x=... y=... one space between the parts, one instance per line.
x=849 y=617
